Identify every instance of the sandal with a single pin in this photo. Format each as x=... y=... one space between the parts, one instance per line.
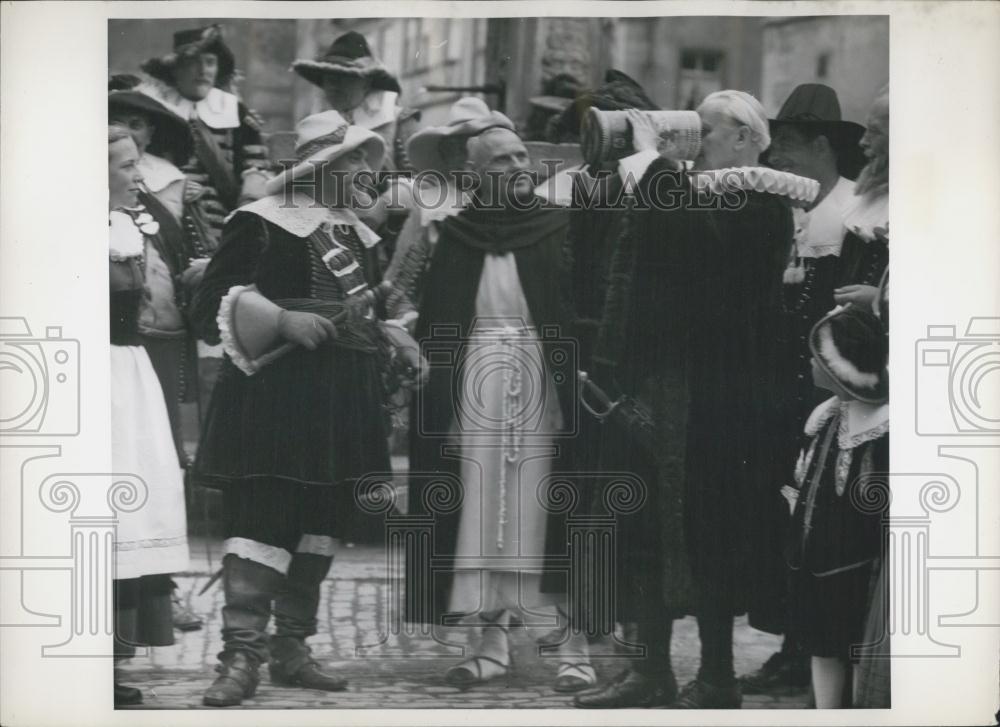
x=574 y=676
x=463 y=674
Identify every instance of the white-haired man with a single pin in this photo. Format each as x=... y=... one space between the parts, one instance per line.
x=702 y=344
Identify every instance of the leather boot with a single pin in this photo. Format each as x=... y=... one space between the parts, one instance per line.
x=250 y=587
x=295 y=609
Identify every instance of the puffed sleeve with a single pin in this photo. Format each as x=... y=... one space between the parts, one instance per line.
x=235 y=263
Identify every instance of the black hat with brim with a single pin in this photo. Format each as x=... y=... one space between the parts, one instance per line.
x=618 y=93
x=172 y=135
x=815 y=108
x=189 y=43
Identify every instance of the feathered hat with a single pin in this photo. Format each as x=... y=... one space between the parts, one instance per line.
x=350 y=55
x=189 y=43
x=850 y=345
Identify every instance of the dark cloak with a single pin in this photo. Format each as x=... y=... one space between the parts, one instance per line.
x=447 y=315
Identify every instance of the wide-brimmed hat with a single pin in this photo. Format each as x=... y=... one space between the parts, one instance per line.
x=815 y=107
x=192 y=42
x=467 y=117
x=172 y=135
x=324 y=137
x=350 y=55
x=850 y=345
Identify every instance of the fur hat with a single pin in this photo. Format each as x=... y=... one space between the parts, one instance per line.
x=193 y=42
x=850 y=345
x=350 y=55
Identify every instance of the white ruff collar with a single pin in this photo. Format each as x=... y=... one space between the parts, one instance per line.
x=219 y=110
x=756 y=179
x=859 y=422
x=124 y=237
x=866 y=215
x=304 y=216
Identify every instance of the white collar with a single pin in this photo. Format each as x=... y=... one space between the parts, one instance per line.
x=859 y=422
x=219 y=109
x=304 y=216
x=558 y=189
x=866 y=215
x=820 y=231
x=158 y=173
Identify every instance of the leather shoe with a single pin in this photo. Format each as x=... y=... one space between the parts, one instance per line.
x=126 y=696
x=702 y=695
x=631 y=689
x=309 y=676
x=782 y=671
x=237 y=680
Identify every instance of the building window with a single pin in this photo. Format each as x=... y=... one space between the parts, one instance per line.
x=415 y=47
x=822 y=65
x=700 y=74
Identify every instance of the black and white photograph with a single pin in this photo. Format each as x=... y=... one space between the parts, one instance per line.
x=478 y=359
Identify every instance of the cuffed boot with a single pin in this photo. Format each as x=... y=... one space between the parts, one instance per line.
x=295 y=609
x=250 y=587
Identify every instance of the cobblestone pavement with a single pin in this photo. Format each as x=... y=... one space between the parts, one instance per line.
x=394 y=670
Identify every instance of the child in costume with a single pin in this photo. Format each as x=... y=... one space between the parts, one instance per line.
x=840 y=496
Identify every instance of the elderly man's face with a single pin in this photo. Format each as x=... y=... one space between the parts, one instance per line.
x=875 y=142
x=721 y=140
x=195 y=75
x=344 y=92
x=499 y=157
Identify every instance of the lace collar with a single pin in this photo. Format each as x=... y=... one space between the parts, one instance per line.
x=859 y=422
x=868 y=215
x=124 y=236
x=219 y=109
x=304 y=216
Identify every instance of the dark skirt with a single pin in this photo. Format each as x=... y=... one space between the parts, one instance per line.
x=142 y=613
x=311 y=417
x=828 y=612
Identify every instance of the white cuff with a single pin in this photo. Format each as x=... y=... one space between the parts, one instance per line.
x=632 y=168
x=316 y=545
x=269 y=555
